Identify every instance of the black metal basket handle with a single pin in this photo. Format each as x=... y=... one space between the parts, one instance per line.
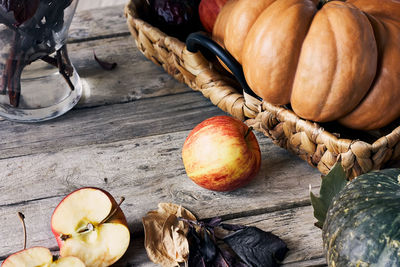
x=198 y=40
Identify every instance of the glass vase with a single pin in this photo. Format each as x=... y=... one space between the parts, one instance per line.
x=37 y=80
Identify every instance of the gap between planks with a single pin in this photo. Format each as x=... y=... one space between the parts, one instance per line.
x=98 y=23
x=107 y=124
x=145 y=170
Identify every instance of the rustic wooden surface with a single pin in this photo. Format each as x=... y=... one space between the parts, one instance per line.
x=90 y=4
x=125 y=136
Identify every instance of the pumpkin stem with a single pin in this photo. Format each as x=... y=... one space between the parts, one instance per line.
x=323 y=2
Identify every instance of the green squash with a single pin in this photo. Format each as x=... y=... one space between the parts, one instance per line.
x=362 y=225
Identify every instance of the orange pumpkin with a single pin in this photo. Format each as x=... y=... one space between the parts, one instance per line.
x=332 y=60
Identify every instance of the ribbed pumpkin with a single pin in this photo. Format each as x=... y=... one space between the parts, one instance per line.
x=332 y=60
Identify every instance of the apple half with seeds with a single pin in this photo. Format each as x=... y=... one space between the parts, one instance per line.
x=39 y=256
x=89 y=224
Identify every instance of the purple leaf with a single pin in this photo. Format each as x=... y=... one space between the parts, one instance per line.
x=244 y=247
x=174 y=12
x=104 y=64
x=220 y=261
x=207 y=247
x=232 y=227
x=213 y=222
x=195 y=257
x=256 y=247
x=23 y=9
x=226 y=257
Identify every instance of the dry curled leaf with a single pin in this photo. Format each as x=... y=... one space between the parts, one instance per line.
x=105 y=64
x=165 y=235
x=236 y=246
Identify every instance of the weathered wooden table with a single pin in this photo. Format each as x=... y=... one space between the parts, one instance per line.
x=125 y=136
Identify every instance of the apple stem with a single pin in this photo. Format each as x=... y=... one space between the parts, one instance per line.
x=65 y=237
x=113 y=211
x=248 y=131
x=22 y=218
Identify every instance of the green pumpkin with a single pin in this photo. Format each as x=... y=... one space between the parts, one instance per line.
x=362 y=225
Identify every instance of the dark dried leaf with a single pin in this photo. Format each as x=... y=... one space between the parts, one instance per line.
x=104 y=64
x=246 y=246
x=207 y=247
x=195 y=257
x=226 y=257
x=173 y=12
x=256 y=247
x=232 y=227
x=213 y=222
x=220 y=261
x=23 y=9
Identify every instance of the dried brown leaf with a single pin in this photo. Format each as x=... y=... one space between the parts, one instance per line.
x=174 y=239
x=105 y=64
x=165 y=235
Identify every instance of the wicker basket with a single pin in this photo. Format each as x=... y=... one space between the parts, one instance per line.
x=359 y=152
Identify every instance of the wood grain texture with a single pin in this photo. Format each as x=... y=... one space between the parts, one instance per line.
x=294 y=226
x=90 y=4
x=135 y=77
x=105 y=124
x=136 y=256
x=98 y=23
x=146 y=171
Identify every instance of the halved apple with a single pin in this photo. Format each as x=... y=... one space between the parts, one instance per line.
x=39 y=256
x=90 y=225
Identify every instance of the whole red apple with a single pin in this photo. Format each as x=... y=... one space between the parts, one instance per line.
x=221 y=154
x=208 y=12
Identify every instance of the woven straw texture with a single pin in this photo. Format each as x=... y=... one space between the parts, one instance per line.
x=308 y=140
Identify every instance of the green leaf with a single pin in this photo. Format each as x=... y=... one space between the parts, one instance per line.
x=331 y=185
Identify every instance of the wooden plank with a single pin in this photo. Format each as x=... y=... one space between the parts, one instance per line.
x=294 y=226
x=318 y=262
x=106 y=124
x=89 y=4
x=136 y=256
x=134 y=78
x=98 y=23
x=146 y=171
